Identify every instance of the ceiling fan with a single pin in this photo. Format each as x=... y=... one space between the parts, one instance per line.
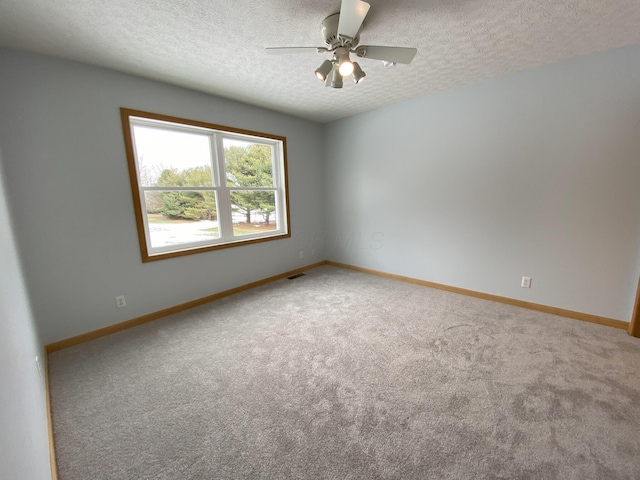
x=341 y=33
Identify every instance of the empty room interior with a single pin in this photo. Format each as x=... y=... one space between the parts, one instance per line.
x=320 y=240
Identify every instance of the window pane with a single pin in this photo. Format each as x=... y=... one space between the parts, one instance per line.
x=248 y=164
x=179 y=217
x=172 y=158
x=253 y=212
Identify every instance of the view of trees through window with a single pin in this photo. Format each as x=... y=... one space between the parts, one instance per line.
x=185 y=215
x=250 y=166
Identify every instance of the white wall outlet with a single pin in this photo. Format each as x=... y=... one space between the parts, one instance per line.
x=120 y=301
x=301 y=254
x=526 y=282
x=313 y=252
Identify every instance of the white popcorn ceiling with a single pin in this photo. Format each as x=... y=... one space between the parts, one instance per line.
x=217 y=46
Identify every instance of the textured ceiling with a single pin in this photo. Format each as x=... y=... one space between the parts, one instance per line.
x=217 y=46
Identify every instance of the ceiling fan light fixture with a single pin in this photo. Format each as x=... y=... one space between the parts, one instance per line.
x=358 y=73
x=345 y=65
x=341 y=33
x=336 y=78
x=323 y=71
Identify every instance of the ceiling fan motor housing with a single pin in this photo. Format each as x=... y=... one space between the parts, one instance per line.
x=329 y=32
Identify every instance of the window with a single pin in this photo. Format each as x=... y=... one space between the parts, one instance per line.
x=198 y=187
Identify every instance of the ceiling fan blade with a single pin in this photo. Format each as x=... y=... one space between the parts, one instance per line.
x=387 y=54
x=352 y=13
x=281 y=50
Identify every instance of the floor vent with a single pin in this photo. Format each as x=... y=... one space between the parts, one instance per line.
x=297 y=275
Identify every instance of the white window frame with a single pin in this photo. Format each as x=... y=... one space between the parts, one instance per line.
x=216 y=134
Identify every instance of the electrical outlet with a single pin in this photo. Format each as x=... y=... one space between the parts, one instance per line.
x=526 y=282
x=313 y=252
x=301 y=254
x=120 y=301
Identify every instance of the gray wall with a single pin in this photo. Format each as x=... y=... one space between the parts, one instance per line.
x=69 y=188
x=535 y=173
x=24 y=450
x=532 y=174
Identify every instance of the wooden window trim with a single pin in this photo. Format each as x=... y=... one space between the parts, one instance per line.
x=125 y=114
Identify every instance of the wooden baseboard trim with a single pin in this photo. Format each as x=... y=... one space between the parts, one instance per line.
x=118 y=327
x=634 y=326
x=585 y=317
x=52 y=449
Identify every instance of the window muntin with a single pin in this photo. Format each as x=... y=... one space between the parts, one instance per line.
x=181 y=204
